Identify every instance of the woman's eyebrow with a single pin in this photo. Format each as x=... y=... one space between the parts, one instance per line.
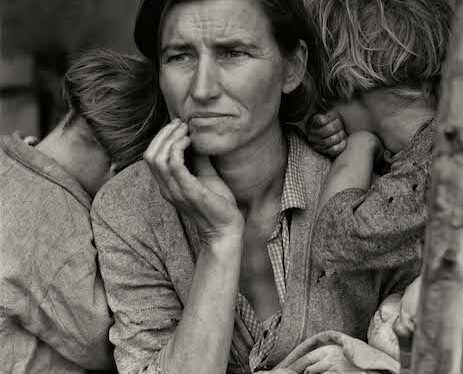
x=217 y=44
x=235 y=43
x=177 y=46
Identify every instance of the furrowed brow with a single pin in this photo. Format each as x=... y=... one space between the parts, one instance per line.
x=176 y=47
x=234 y=43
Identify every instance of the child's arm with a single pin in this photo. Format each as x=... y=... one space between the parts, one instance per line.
x=353 y=168
x=381 y=228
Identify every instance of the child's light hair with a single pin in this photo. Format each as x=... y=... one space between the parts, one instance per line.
x=119 y=98
x=382 y=43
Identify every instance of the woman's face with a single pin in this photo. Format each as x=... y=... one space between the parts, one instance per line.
x=221 y=72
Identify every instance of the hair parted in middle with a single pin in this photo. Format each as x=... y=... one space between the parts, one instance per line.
x=382 y=43
x=119 y=98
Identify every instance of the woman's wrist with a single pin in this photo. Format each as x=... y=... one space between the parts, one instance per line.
x=227 y=244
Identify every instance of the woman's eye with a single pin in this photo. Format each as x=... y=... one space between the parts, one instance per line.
x=179 y=58
x=235 y=54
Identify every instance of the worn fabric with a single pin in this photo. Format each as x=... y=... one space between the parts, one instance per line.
x=384 y=226
x=54 y=318
x=147 y=253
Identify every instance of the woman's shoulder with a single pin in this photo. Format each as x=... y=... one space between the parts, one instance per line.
x=132 y=190
x=310 y=160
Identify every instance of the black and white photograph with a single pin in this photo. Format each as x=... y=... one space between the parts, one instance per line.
x=231 y=186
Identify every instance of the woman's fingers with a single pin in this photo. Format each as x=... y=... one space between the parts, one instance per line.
x=323 y=359
x=164 y=149
x=319 y=367
x=205 y=196
x=188 y=185
x=157 y=157
x=307 y=360
x=159 y=139
x=177 y=152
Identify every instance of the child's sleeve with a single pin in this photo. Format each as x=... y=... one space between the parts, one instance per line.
x=381 y=228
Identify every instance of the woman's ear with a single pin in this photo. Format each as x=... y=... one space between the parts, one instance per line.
x=296 y=68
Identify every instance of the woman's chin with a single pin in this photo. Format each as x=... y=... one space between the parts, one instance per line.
x=210 y=145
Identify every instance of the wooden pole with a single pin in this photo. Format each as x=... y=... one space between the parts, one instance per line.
x=437 y=346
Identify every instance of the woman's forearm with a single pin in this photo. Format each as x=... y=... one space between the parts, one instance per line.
x=201 y=343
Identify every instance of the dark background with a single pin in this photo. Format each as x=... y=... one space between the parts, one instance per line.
x=38 y=38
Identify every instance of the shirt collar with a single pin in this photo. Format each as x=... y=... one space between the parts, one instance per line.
x=294 y=192
x=43 y=165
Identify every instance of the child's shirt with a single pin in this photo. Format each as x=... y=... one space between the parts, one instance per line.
x=382 y=228
x=54 y=317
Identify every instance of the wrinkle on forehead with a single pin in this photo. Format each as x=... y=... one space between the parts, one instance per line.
x=209 y=21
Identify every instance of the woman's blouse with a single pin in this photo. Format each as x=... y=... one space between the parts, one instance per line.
x=278 y=247
x=147 y=254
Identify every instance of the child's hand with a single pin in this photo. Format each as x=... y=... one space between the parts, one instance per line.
x=326 y=134
x=405 y=324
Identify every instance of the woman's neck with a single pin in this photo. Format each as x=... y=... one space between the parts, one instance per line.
x=255 y=173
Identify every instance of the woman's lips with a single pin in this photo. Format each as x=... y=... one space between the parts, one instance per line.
x=207 y=120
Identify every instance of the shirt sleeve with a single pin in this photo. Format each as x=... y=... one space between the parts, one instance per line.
x=144 y=302
x=381 y=228
x=74 y=317
x=77 y=301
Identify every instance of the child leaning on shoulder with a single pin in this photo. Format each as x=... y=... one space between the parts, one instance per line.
x=383 y=66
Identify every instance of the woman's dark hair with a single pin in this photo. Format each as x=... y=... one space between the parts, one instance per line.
x=290 y=23
x=119 y=98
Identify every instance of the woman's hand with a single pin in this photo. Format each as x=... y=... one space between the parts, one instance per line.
x=326 y=134
x=204 y=197
x=329 y=358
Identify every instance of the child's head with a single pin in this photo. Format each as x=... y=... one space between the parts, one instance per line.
x=116 y=98
x=114 y=112
x=383 y=43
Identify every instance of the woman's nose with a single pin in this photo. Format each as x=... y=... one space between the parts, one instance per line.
x=205 y=85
